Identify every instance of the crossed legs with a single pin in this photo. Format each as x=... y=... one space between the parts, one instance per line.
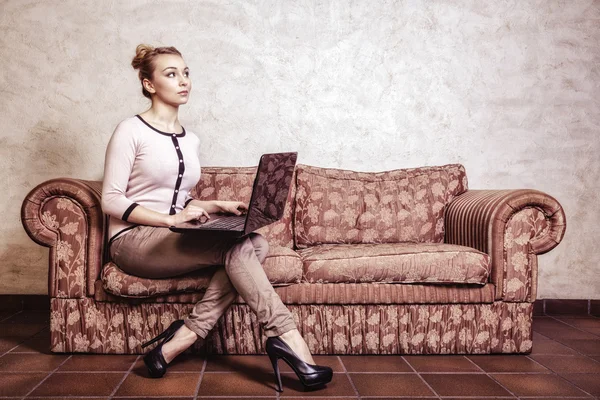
x=156 y=252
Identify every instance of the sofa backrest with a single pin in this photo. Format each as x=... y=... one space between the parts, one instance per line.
x=235 y=183
x=405 y=205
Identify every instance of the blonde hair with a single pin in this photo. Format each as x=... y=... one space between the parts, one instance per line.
x=144 y=61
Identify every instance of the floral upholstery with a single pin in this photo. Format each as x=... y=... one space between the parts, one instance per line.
x=83 y=325
x=395 y=262
x=339 y=206
x=282 y=266
x=512 y=226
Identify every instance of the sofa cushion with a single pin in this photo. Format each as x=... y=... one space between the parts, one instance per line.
x=395 y=262
x=340 y=206
x=282 y=266
x=235 y=183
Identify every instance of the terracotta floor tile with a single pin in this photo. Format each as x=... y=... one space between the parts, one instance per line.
x=390 y=385
x=595 y=331
x=568 y=364
x=7 y=343
x=441 y=364
x=98 y=362
x=399 y=398
x=539 y=336
x=172 y=385
x=549 y=346
x=507 y=363
x=67 y=398
x=330 y=361
x=581 y=322
x=545 y=398
x=483 y=398
x=254 y=383
x=554 y=329
x=29 y=317
x=24 y=331
x=236 y=363
x=375 y=364
x=584 y=346
x=464 y=385
x=588 y=382
x=39 y=343
x=31 y=362
x=537 y=385
x=19 y=384
x=146 y=398
x=339 y=386
x=186 y=363
x=324 y=398
x=79 y=384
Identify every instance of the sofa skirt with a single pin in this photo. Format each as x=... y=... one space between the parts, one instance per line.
x=87 y=326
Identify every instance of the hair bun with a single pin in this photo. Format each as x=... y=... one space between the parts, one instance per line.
x=141 y=52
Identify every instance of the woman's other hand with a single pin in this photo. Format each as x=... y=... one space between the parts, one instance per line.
x=233 y=207
x=191 y=213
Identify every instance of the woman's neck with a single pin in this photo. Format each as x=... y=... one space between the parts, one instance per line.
x=163 y=116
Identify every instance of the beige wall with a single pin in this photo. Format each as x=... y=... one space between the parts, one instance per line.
x=509 y=89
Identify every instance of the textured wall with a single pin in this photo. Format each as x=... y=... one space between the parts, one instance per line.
x=509 y=89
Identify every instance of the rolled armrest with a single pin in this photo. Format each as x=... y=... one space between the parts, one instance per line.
x=513 y=227
x=65 y=214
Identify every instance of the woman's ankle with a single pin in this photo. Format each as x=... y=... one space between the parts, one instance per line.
x=296 y=342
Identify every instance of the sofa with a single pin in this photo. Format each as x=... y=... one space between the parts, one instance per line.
x=408 y=261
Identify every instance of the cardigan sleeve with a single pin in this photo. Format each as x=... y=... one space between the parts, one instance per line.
x=118 y=164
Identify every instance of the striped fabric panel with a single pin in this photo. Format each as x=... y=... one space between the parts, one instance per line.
x=478 y=218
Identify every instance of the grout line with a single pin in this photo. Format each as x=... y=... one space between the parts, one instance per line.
x=23 y=340
x=124 y=377
x=557 y=318
x=420 y=377
x=48 y=376
x=349 y=378
x=201 y=377
x=10 y=316
x=493 y=379
x=556 y=374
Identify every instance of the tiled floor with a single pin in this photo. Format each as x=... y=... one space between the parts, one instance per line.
x=564 y=364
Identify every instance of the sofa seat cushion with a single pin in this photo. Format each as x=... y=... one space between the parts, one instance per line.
x=395 y=263
x=282 y=266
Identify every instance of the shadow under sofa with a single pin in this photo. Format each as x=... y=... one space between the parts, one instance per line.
x=399 y=262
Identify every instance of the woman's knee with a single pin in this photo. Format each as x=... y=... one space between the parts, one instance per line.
x=261 y=246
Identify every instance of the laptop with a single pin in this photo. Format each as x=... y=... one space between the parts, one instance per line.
x=269 y=195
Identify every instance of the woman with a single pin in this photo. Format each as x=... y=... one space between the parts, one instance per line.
x=151 y=165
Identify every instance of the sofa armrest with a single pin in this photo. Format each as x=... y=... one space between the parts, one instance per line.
x=513 y=227
x=65 y=214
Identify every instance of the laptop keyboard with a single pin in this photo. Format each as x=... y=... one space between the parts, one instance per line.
x=236 y=221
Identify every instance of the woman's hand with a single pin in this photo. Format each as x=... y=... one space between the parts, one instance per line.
x=191 y=213
x=233 y=207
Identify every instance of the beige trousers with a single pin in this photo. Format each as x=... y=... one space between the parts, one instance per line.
x=153 y=252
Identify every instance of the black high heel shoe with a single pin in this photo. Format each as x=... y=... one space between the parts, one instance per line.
x=310 y=375
x=154 y=360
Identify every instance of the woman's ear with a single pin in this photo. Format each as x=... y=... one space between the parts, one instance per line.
x=148 y=86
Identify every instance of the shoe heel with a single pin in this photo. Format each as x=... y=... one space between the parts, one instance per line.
x=276 y=370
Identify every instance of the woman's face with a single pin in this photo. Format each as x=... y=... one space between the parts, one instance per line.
x=171 y=81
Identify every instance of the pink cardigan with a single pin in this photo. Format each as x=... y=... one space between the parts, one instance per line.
x=147 y=167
